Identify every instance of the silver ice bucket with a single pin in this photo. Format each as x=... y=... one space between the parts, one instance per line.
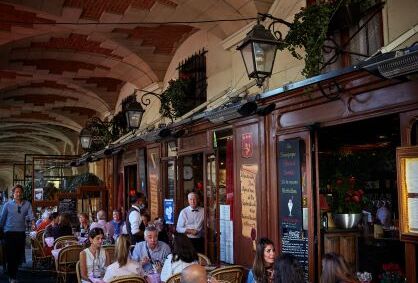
x=347 y=220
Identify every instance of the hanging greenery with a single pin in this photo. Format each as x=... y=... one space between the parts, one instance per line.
x=311 y=26
x=174 y=98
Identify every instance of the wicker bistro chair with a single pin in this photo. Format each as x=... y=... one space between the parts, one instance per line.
x=203 y=260
x=231 y=274
x=78 y=271
x=39 y=259
x=110 y=252
x=40 y=235
x=174 y=278
x=67 y=261
x=64 y=243
x=129 y=279
x=65 y=239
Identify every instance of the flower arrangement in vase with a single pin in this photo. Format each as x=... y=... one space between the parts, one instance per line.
x=392 y=273
x=347 y=203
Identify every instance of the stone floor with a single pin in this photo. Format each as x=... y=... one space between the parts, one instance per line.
x=28 y=275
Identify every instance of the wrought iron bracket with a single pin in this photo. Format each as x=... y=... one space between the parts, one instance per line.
x=277 y=34
x=144 y=99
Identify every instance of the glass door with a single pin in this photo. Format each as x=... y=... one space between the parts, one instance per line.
x=219 y=194
x=211 y=208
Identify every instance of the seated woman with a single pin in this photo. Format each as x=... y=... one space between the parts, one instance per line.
x=336 y=270
x=45 y=220
x=63 y=228
x=53 y=222
x=84 y=228
x=183 y=255
x=287 y=269
x=93 y=256
x=123 y=265
x=262 y=271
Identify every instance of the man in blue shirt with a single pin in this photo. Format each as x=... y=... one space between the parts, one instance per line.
x=13 y=223
x=151 y=253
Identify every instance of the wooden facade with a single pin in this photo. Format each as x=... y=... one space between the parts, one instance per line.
x=300 y=111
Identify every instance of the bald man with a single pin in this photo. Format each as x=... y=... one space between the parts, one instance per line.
x=194 y=273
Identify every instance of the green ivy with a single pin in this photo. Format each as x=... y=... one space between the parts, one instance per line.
x=173 y=99
x=309 y=31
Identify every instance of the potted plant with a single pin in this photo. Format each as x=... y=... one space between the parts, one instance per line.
x=347 y=203
x=311 y=26
x=174 y=98
x=392 y=273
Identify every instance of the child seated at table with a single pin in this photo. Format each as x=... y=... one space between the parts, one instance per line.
x=123 y=265
x=93 y=257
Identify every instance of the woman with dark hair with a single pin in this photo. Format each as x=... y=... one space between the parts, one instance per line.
x=93 y=256
x=287 y=269
x=262 y=271
x=123 y=265
x=84 y=227
x=63 y=228
x=183 y=255
x=335 y=270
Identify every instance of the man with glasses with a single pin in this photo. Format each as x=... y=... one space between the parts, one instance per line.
x=151 y=253
x=13 y=223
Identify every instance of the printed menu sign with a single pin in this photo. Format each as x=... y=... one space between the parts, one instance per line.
x=69 y=206
x=290 y=188
x=153 y=195
x=248 y=178
x=294 y=240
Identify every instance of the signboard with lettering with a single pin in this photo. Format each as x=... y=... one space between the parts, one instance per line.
x=294 y=240
x=248 y=179
x=290 y=185
x=153 y=195
x=69 y=206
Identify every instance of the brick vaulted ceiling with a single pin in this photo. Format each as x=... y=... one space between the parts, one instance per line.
x=64 y=61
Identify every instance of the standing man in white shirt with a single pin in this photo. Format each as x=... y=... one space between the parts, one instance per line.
x=133 y=220
x=190 y=222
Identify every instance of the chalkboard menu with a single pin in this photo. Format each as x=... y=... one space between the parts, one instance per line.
x=296 y=243
x=69 y=206
x=294 y=240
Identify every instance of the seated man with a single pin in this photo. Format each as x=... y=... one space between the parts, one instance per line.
x=151 y=252
x=107 y=227
x=194 y=273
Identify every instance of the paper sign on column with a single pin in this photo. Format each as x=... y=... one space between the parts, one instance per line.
x=224 y=212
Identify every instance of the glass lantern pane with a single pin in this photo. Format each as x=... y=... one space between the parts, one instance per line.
x=247 y=56
x=85 y=142
x=134 y=119
x=264 y=56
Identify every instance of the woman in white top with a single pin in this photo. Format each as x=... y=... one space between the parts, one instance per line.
x=123 y=265
x=93 y=255
x=183 y=255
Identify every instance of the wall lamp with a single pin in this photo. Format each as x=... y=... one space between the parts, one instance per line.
x=259 y=47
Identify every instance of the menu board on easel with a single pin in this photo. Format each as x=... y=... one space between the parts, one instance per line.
x=67 y=203
x=407 y=166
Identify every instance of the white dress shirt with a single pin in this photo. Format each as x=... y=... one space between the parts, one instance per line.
x=135 y=220
x=191 y=219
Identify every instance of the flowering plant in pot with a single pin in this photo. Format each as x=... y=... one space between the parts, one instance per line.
x=348 y=202
x=392 y=273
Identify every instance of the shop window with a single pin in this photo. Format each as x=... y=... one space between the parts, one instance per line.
x=193 y=70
